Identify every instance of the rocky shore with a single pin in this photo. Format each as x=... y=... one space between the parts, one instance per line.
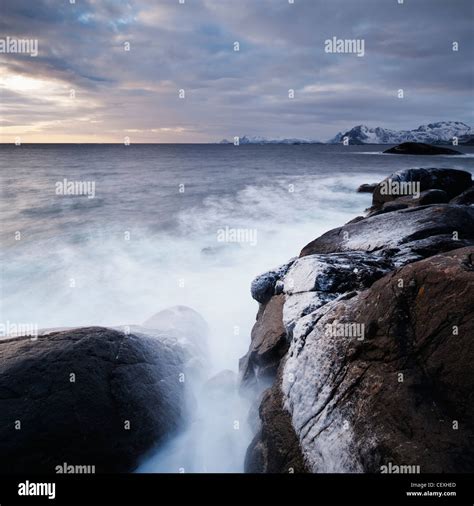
x=97 y=397
x=360 y=358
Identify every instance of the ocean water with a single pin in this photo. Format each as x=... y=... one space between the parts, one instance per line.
x=161 y=230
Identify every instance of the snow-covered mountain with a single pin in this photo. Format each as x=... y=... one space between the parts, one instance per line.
x=441 y=132
x=433 y=133
x=263 y=140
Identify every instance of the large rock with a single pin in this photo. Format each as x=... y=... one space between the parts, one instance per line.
x=312 y=281
x=188 y=328
x=405 y=235
x=362 y=334
x=420 y=148
x=424 y=198
x=181 y=321
x=90 y=396
x=466 y=198
x=338 y=273
x=367 y=188
x=401 y=392
x=264 y=286
x=268 y=344
x=407 y=181
x=275 y=448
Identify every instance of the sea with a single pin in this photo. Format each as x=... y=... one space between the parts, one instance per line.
x=111 y=234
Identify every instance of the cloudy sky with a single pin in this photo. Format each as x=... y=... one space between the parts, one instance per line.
x=190 y=46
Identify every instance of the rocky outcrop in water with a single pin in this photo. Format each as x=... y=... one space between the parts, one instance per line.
x=367 y=188
x=378 y=319
x=405 y=183
x=420 y=148
x=92 y=396
x=466 y=198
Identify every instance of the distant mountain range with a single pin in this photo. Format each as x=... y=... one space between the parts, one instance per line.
x=441 y=132
x=263 y=140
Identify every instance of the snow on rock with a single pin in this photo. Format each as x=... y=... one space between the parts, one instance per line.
x=301 y=304
x=397 y=235
x=337 y=393
x=339 y=272
x=440 y=132
x=313 y=382
x=258 y=139
x=263 y=286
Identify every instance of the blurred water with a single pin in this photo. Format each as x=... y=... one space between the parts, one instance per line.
x=142 y=245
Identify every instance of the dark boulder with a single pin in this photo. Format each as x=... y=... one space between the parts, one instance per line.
x=427 y=197
x=366 y=188
x=275 y=448
x=405 y=183
x=432 y=197
x=420 y=148
x=388 y=207
x=264 y=286
x=465 y=199
x=268 y=344
x=86 y=396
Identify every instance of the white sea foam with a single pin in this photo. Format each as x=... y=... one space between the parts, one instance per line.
x=74 y=267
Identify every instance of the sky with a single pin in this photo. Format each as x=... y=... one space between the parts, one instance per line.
x=107 y=70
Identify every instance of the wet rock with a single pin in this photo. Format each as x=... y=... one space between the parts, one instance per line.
x=268 y=344
x=87 y=396
x=466 y=198
x=420 y=148
x=263 y=286
x=356 y=219
x=388 y=207
x=337 y=273
x=408 y=181
x=380 y=279
x=427 y=197
x=366 y=188
x=181 y=322
x=431 y=197
x=397 y=394
x=396 y=235
x=187 y=327
x=275 y=448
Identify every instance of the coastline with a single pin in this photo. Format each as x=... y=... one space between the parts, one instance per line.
x=342 y=402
